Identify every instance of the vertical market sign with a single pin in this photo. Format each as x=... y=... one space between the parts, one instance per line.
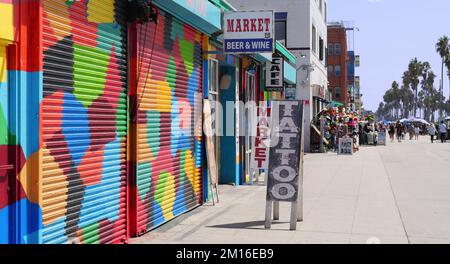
x=275 y=75
x=248 y=32
x=261 y=142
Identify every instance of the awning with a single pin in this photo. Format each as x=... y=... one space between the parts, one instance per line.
x=207 y=19
x=290 y=73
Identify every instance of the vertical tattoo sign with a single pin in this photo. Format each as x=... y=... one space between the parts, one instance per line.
x=285 y=151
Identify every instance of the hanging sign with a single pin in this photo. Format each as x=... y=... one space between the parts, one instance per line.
x=345 y=146
x=248 y=32
x=260 y=143
x=274 y=75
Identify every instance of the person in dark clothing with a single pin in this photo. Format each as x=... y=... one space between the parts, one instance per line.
x=399 y=129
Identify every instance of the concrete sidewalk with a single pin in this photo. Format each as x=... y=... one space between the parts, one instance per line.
x=379 y=195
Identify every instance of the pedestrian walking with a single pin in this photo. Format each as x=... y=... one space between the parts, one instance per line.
x=443 y=132
x=391 y=132
x=432 y=132
x=399 y=129
x=417 y=132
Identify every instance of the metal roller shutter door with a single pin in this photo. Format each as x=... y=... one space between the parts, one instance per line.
x=84 y=124
x=169 y=121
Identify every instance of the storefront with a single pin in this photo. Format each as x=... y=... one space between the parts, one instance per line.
x=169 y=64
x=254 y=89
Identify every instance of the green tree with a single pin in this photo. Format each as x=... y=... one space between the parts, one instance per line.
x=442 y=47
x=414 y=73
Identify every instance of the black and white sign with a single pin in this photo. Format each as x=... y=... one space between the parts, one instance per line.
x=274 y=75
x=345 y=146
x=285 y=151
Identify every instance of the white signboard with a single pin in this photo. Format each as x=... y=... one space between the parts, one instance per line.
x=260 y=144
x=274 y=75
x=345 y=146
x=248 y=32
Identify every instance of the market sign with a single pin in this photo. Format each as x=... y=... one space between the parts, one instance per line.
x=345 y=146
x=285 y=151
x=275 y=75
x=260 y=143
x=248 y=32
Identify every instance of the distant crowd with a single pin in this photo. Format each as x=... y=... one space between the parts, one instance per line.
x=435 y=131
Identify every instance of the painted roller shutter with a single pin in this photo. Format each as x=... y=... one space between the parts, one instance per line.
x=169 y=121
x=84 y=124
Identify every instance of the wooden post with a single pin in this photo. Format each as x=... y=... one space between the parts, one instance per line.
x=276 y=210
x=268 y=215
x=294 y=216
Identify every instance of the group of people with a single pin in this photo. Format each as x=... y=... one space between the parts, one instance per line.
x=434 y=129
x=414 y=130
x=339 y=124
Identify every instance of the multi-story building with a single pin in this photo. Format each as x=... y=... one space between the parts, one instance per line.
x=301 y=25
x=338 y=63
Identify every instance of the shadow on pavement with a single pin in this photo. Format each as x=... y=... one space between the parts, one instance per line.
x=257 y=225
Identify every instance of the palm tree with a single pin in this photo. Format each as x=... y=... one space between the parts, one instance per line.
x=415 y=71
x=442 y=47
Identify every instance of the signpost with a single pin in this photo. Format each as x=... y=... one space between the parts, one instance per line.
x=274 y=75
x=345 y=146
x=285 y=172
x=248 y=32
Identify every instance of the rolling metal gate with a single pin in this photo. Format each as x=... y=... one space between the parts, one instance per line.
x=84 y=123
x=169 y=121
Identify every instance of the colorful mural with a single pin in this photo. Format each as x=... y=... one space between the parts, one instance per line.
x=169 y=59
x=84 y=118
x=19 y=126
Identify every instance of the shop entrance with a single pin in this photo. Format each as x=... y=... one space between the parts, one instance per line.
x=249 y=122
x=214 y=98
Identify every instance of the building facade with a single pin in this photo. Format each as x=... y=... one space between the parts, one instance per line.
x=101 y=115
x=301 y=26
x=338 y=63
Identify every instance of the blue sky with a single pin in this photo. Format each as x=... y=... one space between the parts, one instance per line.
x=391 y=33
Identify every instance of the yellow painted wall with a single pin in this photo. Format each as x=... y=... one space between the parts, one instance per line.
x=2 y=63
x=6 y=22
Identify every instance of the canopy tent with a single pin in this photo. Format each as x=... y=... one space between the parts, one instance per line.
x=335 y=104
x=414 y=120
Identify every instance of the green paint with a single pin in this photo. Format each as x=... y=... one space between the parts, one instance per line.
x=69 y=3
x=4 y=128
x=177 y=30
x=161 y=187
x=171 y=75
x=187 y=53
x=89 y=69
x=91 y=234
x=144 y=182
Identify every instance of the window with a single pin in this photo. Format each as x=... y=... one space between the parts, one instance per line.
x=330 y=49
x=330 y=70
x=337 y=92
x=313 y=39
x=337 y=48
x=280 y=30
x=321 y=49
x=325 y=11
x=337 y=70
